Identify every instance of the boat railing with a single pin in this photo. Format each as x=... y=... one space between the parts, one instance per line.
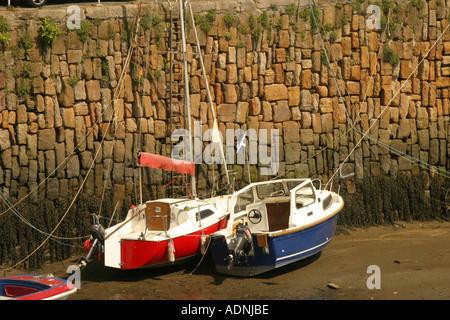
x=320 y=185
x=320 y=182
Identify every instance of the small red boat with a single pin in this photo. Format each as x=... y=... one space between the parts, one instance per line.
x=35 y=287
x=159 y=232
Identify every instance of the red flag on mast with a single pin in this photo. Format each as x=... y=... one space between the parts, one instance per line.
x=156 y=161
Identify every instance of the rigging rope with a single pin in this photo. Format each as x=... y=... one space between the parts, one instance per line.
x=21 y=217
x=365 y=134
x=67 y=211
x=117 y=93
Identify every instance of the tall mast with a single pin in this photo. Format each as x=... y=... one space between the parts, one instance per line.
x=190 y=145
x=215 y=126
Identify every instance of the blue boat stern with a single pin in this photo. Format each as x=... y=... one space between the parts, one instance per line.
x=274 y=250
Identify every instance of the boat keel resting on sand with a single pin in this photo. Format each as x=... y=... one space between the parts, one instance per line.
x=158 y=233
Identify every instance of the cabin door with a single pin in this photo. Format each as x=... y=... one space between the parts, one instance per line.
x=157 y=216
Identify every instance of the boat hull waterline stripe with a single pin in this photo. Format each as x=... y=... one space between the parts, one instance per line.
x=304 y=251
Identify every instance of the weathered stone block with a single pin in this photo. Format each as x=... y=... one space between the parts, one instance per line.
x=50 y=86
x=68 y=117
x=5 y=142
x=434 y=152
x=291 y=132
x=231 y=73
x=242 y=112
x=336 y=52
x=327 y=122
x=80 y=133
x=74 y=56
x=280 y=55
x=93 y=91
x=252 y=123
x=422 y=118
x=306 y=136
x=73 y=168
x=442 y=82
x=423 y=137
x=355 y=73
x=52 y=189
x=424 y=93
x=278 y=73
x=404 y=129
x=38 y=85
x=66 y=98
x=292 y=152
x=160 y=129
x=128 y=88
x=404 y=164
x=294 y=96
x=305 y=120
x=305 y=99
x=266 y=111
x=281 y=111
x=283 y=39
x=353 y=87
x=306 y=79
x=21 y=133
x=46 y=139
x=329 y=13
x=81 y=109
x=58 y=46
x=255 y=106
x=275 y=92
x=326 y=105
x=316 y=61
x=226 y=112
x=80 y=90
x=373 y=41
x=229 y=93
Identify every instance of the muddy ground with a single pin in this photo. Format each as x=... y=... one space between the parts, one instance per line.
x=413 y=260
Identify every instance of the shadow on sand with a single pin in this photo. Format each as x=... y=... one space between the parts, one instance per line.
x=207 y=268
x=96 y=272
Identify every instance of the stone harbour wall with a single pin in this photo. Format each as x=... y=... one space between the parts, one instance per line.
x=266 y=69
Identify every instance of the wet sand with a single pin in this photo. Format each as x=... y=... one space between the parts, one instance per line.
x=413 y=260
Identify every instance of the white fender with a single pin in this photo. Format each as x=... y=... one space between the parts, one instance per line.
x=171 y=251
x=203 y=243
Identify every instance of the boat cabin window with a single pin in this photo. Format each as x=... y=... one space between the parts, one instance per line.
x=327 y=202
x=243 y=200
x=305 y=196
x=270 y=190
x=204 y=214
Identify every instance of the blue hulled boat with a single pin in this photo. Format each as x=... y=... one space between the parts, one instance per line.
x=275 y=223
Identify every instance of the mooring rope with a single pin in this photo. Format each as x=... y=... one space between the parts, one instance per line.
x=365 y=134
x=117 y=92
x=67 y=211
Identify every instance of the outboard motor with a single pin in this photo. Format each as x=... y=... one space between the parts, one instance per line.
x=240 y=247
x=94 y=243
